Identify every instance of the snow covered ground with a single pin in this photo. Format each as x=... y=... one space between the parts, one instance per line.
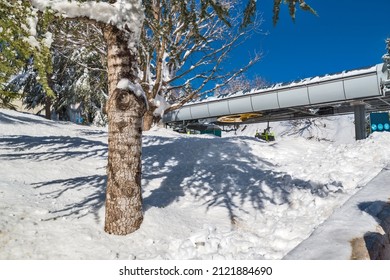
x=204 y=197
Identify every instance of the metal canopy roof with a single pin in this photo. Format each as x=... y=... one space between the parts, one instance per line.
x=327 y=95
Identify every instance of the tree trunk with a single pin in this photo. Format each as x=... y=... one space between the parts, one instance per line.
x=148 y=121
x=49 y=99
x=48 y=104
x=124 y=110
x=149 y=118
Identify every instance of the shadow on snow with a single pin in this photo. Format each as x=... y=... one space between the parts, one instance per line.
x=91 y=202
x=90 y=190
x=20 y=119
x=377 y=244
x=42 y=148
x=217 y=171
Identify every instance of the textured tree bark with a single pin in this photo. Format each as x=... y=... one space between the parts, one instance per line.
x=48 y=104
x=124 y=212
x=149 y=118
x=148 y=121
x=48 y=99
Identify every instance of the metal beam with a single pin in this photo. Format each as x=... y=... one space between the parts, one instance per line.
x=360 y=121
x=319 y=92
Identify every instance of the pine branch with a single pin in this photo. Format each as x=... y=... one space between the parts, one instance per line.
x=249 y=13
x=292 y=8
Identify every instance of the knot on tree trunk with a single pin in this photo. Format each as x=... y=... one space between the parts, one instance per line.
x=126 y=101
x=123 y=99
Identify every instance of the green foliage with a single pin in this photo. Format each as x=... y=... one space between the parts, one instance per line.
x=291 y=7
x=249 y=12
x=23 y=35
x=11 y=56
x=221 y=11
x=6 y=98
x=78 y=76
x=26 y=84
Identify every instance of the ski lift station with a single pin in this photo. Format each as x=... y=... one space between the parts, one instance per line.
x=359 y=91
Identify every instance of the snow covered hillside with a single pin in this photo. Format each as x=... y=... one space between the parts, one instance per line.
x=204 y=197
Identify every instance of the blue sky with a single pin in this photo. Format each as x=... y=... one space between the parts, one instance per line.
x=347 y=34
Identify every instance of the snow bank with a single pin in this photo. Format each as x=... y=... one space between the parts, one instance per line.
x=204 y=197
x=357 y=219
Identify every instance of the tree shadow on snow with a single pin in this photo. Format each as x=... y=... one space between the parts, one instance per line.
x=220 y=171
x=23 y=118
x=42 y=148
x=92 y=199
x=85 y=194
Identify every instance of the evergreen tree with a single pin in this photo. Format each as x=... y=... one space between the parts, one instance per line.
x=78 y=77
x=24 y=39
x=26 y=84
x=12 y=51
x=79 y=74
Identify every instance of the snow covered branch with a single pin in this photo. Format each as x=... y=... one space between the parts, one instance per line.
x=182 y=56
x=124 y=14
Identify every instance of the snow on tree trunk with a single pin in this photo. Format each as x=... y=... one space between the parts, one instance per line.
x=125 y=110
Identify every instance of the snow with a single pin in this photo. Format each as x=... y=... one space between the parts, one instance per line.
x=124 y=14
x=32 y=23
x=161 y=104
x=126 y=84
x=204 y=197
x=31 y=29
x=32 y=41
x=304 y=82
x=344 y=226
x=48 y=39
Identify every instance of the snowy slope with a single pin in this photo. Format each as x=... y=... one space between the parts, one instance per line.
x=204 y=197
x=365 y=215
